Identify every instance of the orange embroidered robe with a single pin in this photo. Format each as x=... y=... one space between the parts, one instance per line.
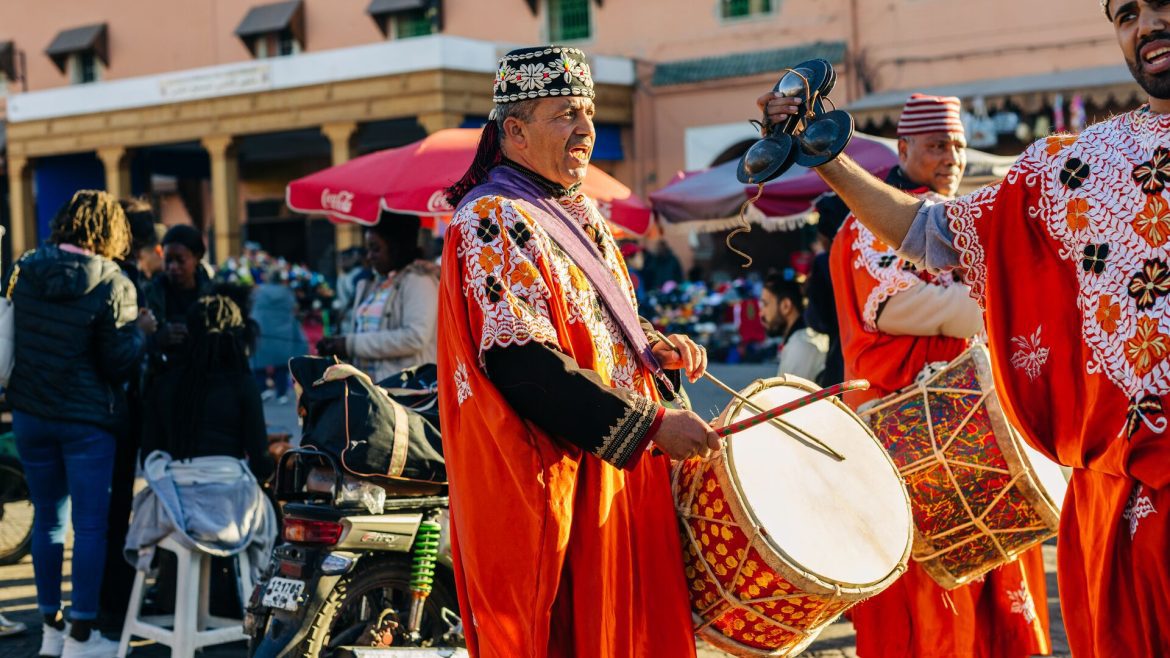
x=1070 y=257
x=558 y=553
x=1002 y=615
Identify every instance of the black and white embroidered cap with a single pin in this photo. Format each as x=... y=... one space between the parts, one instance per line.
x=542 y=72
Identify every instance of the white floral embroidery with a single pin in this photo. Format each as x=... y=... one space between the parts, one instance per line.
x=890 y=271
x=462 y=384
x=1138 y=508
x=1113 y=228
x=1030 y=354
x=520 y=307
x=1022 y=603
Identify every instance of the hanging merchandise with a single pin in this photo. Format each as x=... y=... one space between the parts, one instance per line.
x=1024 y=132
x=1058 y=123
x=1043 y=126
x=1076 y=113
x=981 y=131
x=1006 y=122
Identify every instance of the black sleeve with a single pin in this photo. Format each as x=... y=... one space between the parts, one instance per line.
x=255 y=431
x=120 y=343
x=549 y=389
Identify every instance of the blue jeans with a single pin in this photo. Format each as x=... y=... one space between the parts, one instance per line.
x=65 y=460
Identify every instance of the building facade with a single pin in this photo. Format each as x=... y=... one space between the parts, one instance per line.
x=211 y=107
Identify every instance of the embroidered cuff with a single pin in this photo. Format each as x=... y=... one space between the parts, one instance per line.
x=628 y=436
x=929 y=242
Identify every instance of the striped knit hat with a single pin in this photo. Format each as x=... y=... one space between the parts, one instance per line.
x=930 y=114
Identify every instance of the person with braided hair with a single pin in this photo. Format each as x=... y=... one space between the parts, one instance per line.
x=79 y=337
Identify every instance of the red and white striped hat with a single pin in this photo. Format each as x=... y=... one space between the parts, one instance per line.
x=930 y=114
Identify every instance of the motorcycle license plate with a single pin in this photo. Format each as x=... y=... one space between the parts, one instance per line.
x=283 y=593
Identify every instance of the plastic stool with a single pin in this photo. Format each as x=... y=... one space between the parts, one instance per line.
x=191 y=627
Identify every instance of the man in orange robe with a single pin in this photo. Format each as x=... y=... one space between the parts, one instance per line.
x=1070 y=258
x=565 y=535
x=894 y=320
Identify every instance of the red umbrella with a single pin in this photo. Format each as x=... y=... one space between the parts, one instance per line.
x=412 y=180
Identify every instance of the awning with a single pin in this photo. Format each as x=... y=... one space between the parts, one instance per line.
x=272 y=18
x=1030 y=93
x=79 y=40
x=380 y=10
x=8 y=60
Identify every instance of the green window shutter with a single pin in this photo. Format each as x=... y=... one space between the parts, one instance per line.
x=736 y=8
x=568 y=20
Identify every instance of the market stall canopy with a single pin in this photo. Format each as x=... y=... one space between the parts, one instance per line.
x=710 y=200
x=413 y=180
x=1028 y=92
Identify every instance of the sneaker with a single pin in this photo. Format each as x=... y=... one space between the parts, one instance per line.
x=97 y=646
x=52 y=640
x=9 y=627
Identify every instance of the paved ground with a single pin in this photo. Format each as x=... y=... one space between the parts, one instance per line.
x=18 y=596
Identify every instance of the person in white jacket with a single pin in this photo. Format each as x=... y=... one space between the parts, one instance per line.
x=803 y=350
x=394 y=320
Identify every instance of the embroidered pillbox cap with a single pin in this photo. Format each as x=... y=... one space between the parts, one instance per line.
x=930 y=114
x=542 y=72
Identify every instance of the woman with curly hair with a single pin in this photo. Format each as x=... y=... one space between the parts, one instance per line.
x=79 y=338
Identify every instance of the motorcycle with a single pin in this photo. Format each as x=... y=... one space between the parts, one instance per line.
x=360 y=572
x=16 y=510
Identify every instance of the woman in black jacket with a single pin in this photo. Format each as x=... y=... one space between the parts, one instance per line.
x=79 y=337
x=210 y=405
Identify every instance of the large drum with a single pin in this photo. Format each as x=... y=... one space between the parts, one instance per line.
x=980 y=495
x=779 y=537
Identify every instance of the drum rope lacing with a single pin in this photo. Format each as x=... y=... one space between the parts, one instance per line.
x=938 y=457
x=729 y=600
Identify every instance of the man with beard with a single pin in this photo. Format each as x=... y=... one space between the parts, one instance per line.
x=894 y=321
x=564 y=528
x=802 y=350
x=1070 y=258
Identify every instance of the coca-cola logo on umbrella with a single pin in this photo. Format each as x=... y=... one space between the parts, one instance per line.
x=339 y=201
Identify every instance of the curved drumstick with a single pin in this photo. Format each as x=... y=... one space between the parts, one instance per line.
x=836 y=389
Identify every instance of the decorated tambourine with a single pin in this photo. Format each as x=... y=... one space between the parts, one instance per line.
x=809 y=138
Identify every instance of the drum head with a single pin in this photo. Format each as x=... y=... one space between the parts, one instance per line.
x=844 y=522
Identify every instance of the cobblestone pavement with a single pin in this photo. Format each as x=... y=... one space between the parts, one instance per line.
x=18 y=596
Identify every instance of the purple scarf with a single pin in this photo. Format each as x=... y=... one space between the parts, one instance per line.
x=513 y=185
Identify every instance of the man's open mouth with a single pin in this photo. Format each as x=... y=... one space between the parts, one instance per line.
x=580 y=152
x=1156 y=56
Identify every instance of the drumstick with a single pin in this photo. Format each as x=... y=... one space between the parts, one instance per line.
x=836 y=389
x=779 y=424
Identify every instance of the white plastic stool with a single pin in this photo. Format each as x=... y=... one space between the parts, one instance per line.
x=191 y=627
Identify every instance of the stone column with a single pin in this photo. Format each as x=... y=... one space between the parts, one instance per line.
x=225 y=182
x=433 y=122
x=341 y=140
x=116 y=160
x=22 y=228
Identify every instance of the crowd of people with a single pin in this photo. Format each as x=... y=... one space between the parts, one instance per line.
x=130 y=349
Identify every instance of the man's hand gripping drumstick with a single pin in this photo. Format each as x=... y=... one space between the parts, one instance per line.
x=886 y=211
x=682 y=434
x=784 y=426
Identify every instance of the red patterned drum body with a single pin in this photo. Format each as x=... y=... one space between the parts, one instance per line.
x=981 y=496
x=779 y=537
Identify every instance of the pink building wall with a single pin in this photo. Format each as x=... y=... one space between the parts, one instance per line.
x=901 y=43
